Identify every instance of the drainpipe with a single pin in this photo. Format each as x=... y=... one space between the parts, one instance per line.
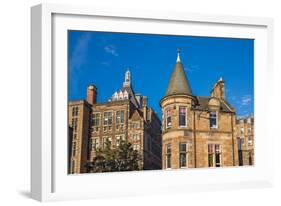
x=233 y=153
x=194 y=137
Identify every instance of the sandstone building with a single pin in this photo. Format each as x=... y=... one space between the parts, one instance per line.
x=245 y=140
x=196 y=131
x=126 y=116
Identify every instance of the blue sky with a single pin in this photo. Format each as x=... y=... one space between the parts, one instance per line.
x=101 y=58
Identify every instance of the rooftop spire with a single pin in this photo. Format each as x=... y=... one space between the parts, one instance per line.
x=178 y=83
x=178 y=58
x=127 y=81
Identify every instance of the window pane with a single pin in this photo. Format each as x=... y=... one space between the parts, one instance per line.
x=183 y=160
x=211 y=160
x=96 y=119
x=122 y=117
x=210 y=148
x=107 y=118
x=119 y=117
x=218 y=160
x=217 y=148
x=168 y=161
x=168 y=156
x=182 y=116
x=182 y=147
x=168 y=118
x=213 y=119
x=168 y=149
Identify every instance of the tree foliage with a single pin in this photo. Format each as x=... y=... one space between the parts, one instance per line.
x=112 y=159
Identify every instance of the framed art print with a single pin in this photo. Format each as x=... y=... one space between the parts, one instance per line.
x=135 y=102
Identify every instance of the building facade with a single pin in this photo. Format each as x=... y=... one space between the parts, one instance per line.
x=126 y=116
x=78 y=120
x=245 y=140
x=196 y=131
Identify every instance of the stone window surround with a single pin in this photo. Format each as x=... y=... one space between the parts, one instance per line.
x=166 y=156
x=136 y=147
x=136 y=124
x=166 y=117
x=217 y=119
x=120 y=117
x=106 y=138
x=221 y=152
x=136 y=136
x=186 y=153
x=95 y=143
x=98 y=118
x=182 y=126
x=118 y=138
x=75 y=111
x=112 y=116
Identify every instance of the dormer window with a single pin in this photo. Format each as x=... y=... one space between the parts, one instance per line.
x=213 y=120
x=168 y=118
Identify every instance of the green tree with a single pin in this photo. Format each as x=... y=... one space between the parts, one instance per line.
x=112 y=159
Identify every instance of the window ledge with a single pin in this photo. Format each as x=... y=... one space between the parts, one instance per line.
x=182 y=126
x=213 y=128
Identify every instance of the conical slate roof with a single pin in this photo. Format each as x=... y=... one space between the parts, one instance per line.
x=178 y=82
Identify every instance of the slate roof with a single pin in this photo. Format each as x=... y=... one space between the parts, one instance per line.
x=202 y=104
x=178 y=83
x=131 y=93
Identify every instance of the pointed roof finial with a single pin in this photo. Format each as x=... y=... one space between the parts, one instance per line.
x=127 y=81
x=178 y=58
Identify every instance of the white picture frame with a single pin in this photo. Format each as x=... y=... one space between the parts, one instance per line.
x=49 y=181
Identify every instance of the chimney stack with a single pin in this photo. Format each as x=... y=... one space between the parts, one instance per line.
x=92 y=94
x=218 y=89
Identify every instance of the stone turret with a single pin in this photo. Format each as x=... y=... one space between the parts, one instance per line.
x=177 y=119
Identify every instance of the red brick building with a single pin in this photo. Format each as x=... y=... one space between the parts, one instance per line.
x=126 y=116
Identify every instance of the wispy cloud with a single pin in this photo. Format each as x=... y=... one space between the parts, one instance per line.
x=105 y=63
x=77 y=59
x=242 y=104
x=80 y=50
x=111 y=49
x=246 y=100
x=191 y=68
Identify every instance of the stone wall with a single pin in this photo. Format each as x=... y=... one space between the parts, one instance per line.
x=197 y=134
